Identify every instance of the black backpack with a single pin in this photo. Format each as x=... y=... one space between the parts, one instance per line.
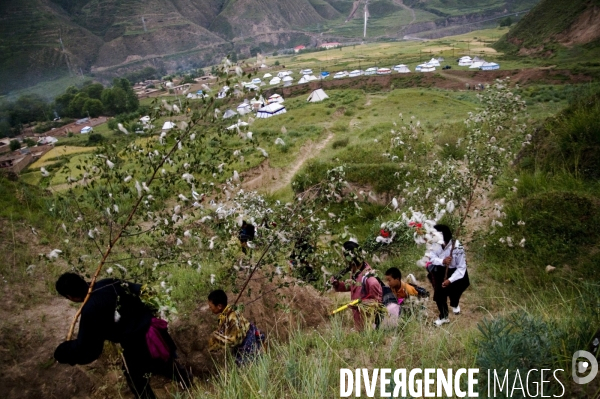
x=421 y=292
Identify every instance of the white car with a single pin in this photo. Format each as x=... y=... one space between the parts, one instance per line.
x=340 y=75
x=86 y=130
x=256 y=81
x=371 y=71
x=356 y=73
x=306 y=72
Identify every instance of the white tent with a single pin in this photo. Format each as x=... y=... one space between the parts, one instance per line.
x=229 y=113
x=476 y=64
x=401 y=68
x=288 y=79
x=168 y=125
x=275 y=81
x=371 y=71
x=317 y=95
x=223 y=92
x=434 y=62
x=425 y=68
x=303 y=80
x=267 y=75
x=271 y=110
x=275 y=98
x=489 y=66
x=465 y=61
x=244 y=109
x=283 y=74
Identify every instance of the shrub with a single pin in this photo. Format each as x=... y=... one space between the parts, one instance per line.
x=340 y=143
x=15 y=145
x=95 y=138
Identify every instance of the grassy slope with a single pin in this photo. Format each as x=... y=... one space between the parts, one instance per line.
x=308 y=365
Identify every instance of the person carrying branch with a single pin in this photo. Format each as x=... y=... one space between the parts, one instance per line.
x=234 y=331
x=448 y=273
x=115 y=312
x=363 y=285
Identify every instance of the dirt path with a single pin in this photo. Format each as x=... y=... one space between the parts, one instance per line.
x=268 y=179
x=412 y=13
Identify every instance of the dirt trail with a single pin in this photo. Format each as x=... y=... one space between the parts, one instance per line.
x=412 y=12
x=270 y=180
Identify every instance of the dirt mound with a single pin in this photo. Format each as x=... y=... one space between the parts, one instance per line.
x=275 y=311
x=260 y=176
x=27 y=342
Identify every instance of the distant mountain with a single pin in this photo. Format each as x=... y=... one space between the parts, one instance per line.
x=44 y=39
x=553 y=23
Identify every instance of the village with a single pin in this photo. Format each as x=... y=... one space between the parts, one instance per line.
x=273 y=77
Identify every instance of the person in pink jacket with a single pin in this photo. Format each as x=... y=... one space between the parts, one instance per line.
x=362 y=285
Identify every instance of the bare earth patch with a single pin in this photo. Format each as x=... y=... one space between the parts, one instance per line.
x=268 y=179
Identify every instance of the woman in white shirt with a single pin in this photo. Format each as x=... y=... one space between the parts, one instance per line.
x=452 y=255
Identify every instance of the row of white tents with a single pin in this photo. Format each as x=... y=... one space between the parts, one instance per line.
x=477 y=63
x=265 y=109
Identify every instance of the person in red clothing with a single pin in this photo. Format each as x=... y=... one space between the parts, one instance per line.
x=363 y=285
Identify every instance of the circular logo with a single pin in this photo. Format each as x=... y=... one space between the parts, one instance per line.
x=579 y=367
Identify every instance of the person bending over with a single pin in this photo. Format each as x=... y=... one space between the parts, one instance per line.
x=363 y=285
x=114 y=312
x=234 y=331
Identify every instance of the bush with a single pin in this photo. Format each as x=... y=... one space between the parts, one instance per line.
x=95 y=138
x=15 y=145
x=523 y=342
x=340 y=143
x=571 y=140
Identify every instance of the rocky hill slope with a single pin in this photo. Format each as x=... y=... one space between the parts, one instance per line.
x=553 y=24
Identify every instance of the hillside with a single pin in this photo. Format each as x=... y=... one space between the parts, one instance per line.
x=45 y=39
x=553 y=24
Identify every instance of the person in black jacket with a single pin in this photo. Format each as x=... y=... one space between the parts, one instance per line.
x=114 y=312
x=246 y=234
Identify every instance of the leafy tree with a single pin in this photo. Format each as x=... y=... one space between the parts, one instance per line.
x=29 y=108
x=62 y=102
x=94 y=90
x=120 y=98
x=15 y=145
x=93 y=107
x=276 y=63
x=254 y=51
x=114 y=100
x=29 y=142
x=76 y=105
x=506 y=21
